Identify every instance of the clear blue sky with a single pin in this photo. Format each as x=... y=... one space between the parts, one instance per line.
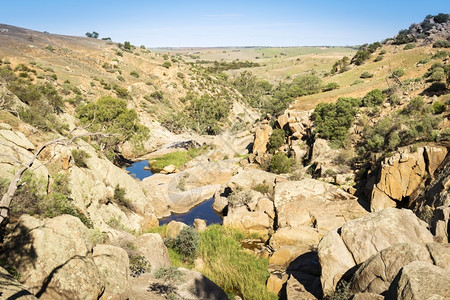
x=186 y=23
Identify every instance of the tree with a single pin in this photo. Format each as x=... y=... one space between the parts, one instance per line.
x=127 y=45
x=93 y=35
x=111 y=116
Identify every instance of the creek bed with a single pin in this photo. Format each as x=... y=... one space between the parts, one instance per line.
x=202 y=211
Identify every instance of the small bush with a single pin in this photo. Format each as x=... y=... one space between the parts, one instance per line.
x=441 y=44
x=441 y=54
x=277 y=139
x=409 y=46
x=139 y=265
x=119 y=197
x=79 y=158
x=166 y=64
x=373 y=98
x=330 y=86
x=186 y=243
x=382 y=52
x=280 y=164
x=263 y=188
x=438 y=107
x=378 y=58
x=398 y=72
x=366 y=75
x=134 y=74
x=357 y=81
x=169 y=274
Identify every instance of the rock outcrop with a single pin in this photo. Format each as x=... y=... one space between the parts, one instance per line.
x=342 y=249
x=10 y=288
x=377 y=273
x=54 y=258
x=262 y=136
x=113 y=264
x=151 y=245
x=421 y=280
x=402 y=174
x=314 y=203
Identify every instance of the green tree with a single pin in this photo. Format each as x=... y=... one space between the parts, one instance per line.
x=280 y=164
x=277 y=138
x=112 y=117
x=373 y=98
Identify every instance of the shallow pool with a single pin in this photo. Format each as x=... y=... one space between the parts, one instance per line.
x=137 y=169
x=202 y=211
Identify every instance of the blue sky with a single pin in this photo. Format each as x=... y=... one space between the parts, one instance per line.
x=223 y=23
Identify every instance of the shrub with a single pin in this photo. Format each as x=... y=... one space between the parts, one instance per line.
x=441 y=18
x=334 y=119
x=357 y=81
x=134 y=74
x=438 y=107
x=378 y=58
x=119 y=196
x=330 y=86
x=441 y=54
x=382 y=52
x=409 y=46
x=373 y=98
x=277 y=139
x=169 y=274
x=187 y=243
x=441 y=44
x=166 y=64
x=366 y=75
x=139 y=265
x=398 y=72
x=280 y=163
x=79 y=158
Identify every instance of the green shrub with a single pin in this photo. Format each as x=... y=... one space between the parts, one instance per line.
x=79 y=158
x=169 y=274
x=280 y=163
x=334 y=119
x=134 y=74
x=187 y=243
x=437 y=75
x=166 y=64
x=120 y=198
x=330 y=86
x=438 y=107
x=398 y=72
x=263 y=188
x=378 y=58
x=139 y=265
x=366 y=75
x=277 y=139
x=373 y=98
x=382 y=52
x=441 y=44
x=409 y=46
x=440 y=55
x=357 y=81
x=423 y=61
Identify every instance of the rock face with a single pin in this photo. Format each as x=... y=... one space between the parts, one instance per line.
x=357 y=240
x=15 y=146
x=314 y=203
x=197 y=286
x=250 y=221
x=262 y=136
x=402 y=174
x=151 y=245
x=12 y=289
x=377 y=273
x=54 y=257
x=422 y=280
x=113 y=264
x=440 y=224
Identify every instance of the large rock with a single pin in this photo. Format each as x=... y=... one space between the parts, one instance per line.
x=314 y=203
x=377 y=273
x=113 y=264
x=197 y=286
x=248 y=178
x=440 y=224
x=151 y=245
x=262 y=136
x=54 y=257
x=10 y=288
x=302 y=236
x=357 y=240
x=303 y=286
x=421 y=280
x=403 y=173
x=251 y=222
